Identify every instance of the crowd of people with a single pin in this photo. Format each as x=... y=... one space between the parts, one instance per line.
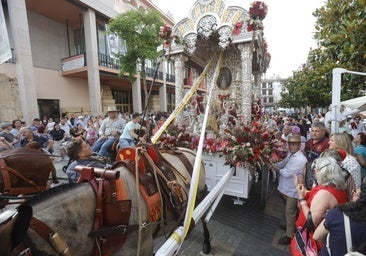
x=314 y=179
x=322 y=177
x=115 y=130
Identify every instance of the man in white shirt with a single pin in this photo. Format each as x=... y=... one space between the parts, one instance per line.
x=108 y=131
x=288 y=169
x=64 y=125
x=357 y=126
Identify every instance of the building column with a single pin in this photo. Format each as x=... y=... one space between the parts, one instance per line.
x=24 y=63
x=91 y=48
x=163 y=91
x=246 y=64
x=136 y=94
x=179 y=77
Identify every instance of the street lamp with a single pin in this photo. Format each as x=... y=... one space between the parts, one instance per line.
x=336 y=95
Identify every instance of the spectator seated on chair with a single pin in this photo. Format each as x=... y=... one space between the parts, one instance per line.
x=108 y=131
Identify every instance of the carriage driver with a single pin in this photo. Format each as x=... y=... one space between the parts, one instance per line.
x=80 y=152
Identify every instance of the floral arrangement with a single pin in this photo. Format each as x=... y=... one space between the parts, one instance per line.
x=165 y=34
x=258 y=10
x=252 y=146
x=257 y=13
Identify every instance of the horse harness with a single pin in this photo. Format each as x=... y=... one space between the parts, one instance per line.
x=111 y=219
x=8 y=189
x=110 y=229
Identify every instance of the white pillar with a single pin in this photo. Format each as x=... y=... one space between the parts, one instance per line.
x=136 y=94
x=162 y=90
x=91 y=48
x=24 y=63
x=246 y=68
x=179 y=76
x=336 y=98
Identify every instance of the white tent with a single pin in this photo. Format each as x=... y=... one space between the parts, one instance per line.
x=356 y=103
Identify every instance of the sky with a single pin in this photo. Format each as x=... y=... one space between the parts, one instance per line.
x=288 y=29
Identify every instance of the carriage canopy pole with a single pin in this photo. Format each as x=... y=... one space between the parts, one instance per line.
x=176 y=239
x=198 y=161
x=171 y=246
x=180 y=107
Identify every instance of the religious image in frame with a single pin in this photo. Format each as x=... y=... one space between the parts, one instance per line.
x=224 y=79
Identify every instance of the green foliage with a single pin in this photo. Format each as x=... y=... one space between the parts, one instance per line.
x=140 y=30
x=340 y=33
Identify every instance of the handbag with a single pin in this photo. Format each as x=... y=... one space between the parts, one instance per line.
x=347 y=230
x=303 y=243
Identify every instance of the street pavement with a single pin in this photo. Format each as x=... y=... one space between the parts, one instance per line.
x=236 y=230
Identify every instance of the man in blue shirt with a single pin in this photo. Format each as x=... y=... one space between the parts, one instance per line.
x=29 y=136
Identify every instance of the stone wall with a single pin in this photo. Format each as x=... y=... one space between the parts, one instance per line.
x=10 y=107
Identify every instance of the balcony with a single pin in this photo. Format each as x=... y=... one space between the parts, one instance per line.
x=108 y=62
x=188 y=83
x=170 y=78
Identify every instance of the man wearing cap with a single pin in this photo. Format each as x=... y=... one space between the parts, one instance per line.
x=108 y=131
x=9 y=137
x=289 y=170
x=129 y=135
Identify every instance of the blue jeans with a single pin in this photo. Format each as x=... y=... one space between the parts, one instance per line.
x=102 y=146
x=123 y=143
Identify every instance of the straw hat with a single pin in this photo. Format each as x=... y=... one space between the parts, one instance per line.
x=294 y=139
x=112 y=109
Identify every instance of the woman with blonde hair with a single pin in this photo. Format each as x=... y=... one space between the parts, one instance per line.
x=350 y=163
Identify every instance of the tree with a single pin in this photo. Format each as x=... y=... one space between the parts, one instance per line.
x=140 y=30
x=340 y=33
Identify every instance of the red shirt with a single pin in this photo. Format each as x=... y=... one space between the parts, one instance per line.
x=340 y=195
x=313 y=150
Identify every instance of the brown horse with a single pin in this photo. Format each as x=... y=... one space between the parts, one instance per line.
x=69 y=211
x=25 y=171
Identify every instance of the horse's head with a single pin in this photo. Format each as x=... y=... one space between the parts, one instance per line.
x=13 y=228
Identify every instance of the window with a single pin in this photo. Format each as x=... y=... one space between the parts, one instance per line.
x=102 y=40
x=123 y=100
x=171 y=102
x=264 y=92
x=270 y=99
x=79 y=42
